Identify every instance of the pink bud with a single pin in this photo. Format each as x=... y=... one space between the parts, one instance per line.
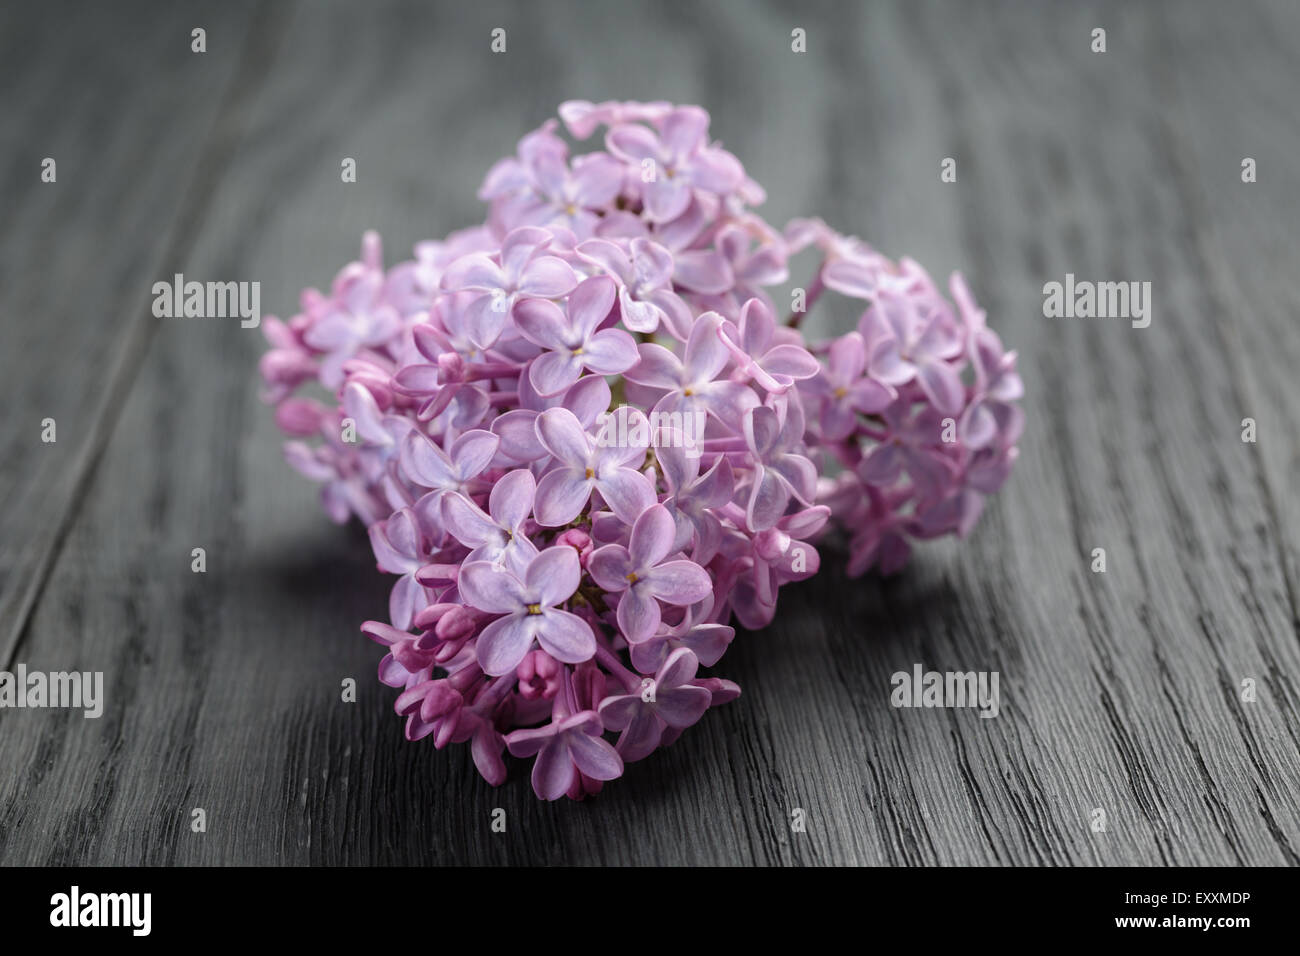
x=411 y=656
x=289 y=366
x=437 y=575
x=589 y=684
x=300 y=416
x=539 y=676
x=451 y=367
x=441 y=700
x=426 y=618
x=456 y=625
x=722 y=690
x=374 y=382
x=771 y=544
x=577 y=539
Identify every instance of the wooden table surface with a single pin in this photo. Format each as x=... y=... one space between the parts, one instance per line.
x=1120 y=691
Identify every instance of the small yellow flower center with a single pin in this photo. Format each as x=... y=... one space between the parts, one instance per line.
x=841 y=392
x=688 y=391
x=570 y=210
x=534 y=608
x=631 y=578
x=578 y=350
x=590 y=473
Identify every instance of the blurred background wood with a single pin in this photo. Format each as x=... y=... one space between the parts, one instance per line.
x=1120 y=691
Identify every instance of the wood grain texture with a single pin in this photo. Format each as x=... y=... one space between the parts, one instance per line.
x=73 y=338
x=1119 y=691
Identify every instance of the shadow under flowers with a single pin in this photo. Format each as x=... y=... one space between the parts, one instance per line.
x=858 y=631
x=866 y=625
x=330 y=573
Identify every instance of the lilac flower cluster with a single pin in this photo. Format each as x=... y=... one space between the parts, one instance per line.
x=582 y=441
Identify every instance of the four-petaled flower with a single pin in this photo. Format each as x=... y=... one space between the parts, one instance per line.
x=359 y=318
x=644 y=272
x=529 y=609
x=774 y=434
x=905 y=344
x=583 y=466
x=668 y=699
x=706 y=640
x=523 y=272
x=843 y=390
x=692 y=384
x=694 y=499
x=573 y=339
x=428 y=466
x=642 y=578
x=565 y=749
x=497 y=536
x=399 y=549
x=539 y=188
x=676 y=161
x=774 y=364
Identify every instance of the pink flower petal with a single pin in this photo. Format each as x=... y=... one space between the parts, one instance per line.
x=544 y=323
x=553 y=771
x=657 y=367
x=548 y=278
x=589 y=304
x=610 y=566
x=610 y=352
x=503 y=643
x=566 y=637
x=491 y=589
x=553 y=575
x=682 y=706
x=633 y=142
x=476 y=271
x=627 y=493
x=563 y=436
x=561 y=496
x=638 y=615
x=680 y=582
x=595 y=757
x=652 y=537
x=552 y=372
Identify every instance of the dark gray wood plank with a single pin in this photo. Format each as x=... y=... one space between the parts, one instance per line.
x=1120 y=688
x=79 y=254
x=1120 y=691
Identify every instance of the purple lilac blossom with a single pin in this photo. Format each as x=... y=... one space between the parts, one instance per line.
x=561 y=583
